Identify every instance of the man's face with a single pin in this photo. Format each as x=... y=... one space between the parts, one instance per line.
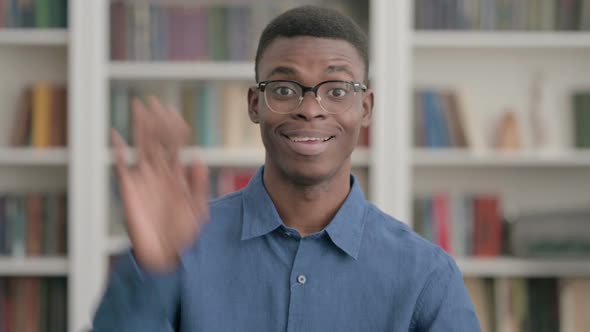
x=310 y=145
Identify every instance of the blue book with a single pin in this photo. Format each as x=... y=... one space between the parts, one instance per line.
x=19 y=219
x=428 y=219
x=2 y=226
x=436 y=127
x=208 y=115
x=10 y=212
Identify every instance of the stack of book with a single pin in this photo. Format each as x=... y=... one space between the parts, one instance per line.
x=581 y=110
x=440 y=120
x=33 y=304
x=42 y=117
x=217 y=112
x=503 y=14
x=34 y=13
x=156 y=32
x=531 y=305
x=33 y=224
x=462 y=225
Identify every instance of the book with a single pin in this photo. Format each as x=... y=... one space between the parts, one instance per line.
x=581 y=118
x=574 y=300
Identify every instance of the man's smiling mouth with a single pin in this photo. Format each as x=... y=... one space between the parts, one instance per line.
x=303 y=139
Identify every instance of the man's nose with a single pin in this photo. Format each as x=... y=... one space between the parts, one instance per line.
x=310 y=107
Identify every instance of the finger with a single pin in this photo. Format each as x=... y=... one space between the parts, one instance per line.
x=174 y=129
x=140 y=131
x=120 y=150
x=183 y=128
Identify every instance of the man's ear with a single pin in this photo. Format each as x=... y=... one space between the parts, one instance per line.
x=253 y=104
x=367 y=107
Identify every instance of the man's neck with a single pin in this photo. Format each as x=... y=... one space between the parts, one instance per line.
x=307 y=208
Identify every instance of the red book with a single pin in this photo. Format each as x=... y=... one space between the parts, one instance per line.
x=59 y=119
x=488 y=226
x=62 y=224
x=441 y=221
x=31 y=300
x=118 y=30
x=34 y=214
x=7 y=305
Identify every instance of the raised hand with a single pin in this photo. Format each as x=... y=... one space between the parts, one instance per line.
x=166 y=203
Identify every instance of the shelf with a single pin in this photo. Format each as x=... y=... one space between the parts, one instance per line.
x=42 y=266
x=218 y=157
x=466 y=158
x=181 y=70
x=519 y=267
x=33 y=37
x=33 y=157
x=501 y=39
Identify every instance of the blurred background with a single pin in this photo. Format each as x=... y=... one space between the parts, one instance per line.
x=480 y=141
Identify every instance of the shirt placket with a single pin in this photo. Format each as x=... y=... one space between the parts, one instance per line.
x=299 y=281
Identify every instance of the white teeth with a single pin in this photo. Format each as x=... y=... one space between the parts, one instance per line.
x=307 y=139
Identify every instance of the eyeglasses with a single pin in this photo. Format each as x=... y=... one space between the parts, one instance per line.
x=334 y=96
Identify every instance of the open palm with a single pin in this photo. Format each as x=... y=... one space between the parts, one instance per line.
x=166 y=203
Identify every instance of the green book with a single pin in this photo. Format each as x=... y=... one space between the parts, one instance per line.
x=217 y=33
x=58 y=13
x=42 y=14
x=49 y=236
x=581 y=107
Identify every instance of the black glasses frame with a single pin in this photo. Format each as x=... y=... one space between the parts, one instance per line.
x=357 y=86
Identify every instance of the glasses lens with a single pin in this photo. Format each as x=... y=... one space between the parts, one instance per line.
x=282 y=97
x=336 y=97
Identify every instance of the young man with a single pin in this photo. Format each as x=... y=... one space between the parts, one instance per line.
x=299 y=249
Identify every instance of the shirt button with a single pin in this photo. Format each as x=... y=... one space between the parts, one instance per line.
x=301 y=279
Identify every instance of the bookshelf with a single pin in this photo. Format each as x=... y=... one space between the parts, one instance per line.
x=493 y=69
x=508 y=63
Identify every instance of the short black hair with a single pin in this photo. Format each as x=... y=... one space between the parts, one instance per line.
x=318 y=22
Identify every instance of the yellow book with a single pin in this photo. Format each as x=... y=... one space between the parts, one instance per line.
x=41 y=115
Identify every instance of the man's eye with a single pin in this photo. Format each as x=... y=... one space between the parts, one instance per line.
x=283 y=91
x=337 y=92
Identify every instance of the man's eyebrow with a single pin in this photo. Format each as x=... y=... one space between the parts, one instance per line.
x=344 y=68
x=283 y=70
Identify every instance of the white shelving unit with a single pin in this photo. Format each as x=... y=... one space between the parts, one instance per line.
x=476 y=62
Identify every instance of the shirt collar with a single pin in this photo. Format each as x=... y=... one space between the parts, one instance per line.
x=345 y=230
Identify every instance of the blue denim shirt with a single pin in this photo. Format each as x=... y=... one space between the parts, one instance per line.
x=249 y=272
